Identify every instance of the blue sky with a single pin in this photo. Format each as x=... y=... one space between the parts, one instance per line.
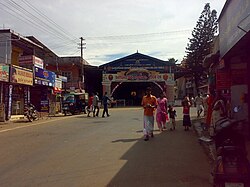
x=112 y=29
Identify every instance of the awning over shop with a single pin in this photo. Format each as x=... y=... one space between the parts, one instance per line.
x=211 y=58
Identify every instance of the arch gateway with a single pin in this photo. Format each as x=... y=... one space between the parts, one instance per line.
x=126 y=79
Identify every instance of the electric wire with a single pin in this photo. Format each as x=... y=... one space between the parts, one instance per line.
x=137 y=35
x=48 y=19
x=28 y=21
x=34 y=18
x=97 y=40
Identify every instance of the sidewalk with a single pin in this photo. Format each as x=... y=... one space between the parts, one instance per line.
x=22 y=121
x=207 y=144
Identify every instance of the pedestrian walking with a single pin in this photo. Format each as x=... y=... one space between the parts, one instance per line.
x=105 y=100
x=198 y=101
x=205 y=104
x=172 y=115
x=95 y=105
x=149 y=104
x=186 y=104
x=90 y=105
x=210 y=100
x=161 y=112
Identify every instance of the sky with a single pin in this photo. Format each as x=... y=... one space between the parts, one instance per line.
x=111 y=29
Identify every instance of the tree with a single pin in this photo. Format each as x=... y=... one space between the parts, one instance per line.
x=200 y=44
x=173 y=66
x=172 y=60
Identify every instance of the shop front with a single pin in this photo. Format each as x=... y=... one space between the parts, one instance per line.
x=235 y=59
x=57 y=91
x=17 y=93
x=4 y=80
x=42 y=93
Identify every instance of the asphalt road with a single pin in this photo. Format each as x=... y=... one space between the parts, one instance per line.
x=77 y=151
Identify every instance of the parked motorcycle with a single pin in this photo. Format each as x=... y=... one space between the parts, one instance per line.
x=30 y=112
x=231 y=168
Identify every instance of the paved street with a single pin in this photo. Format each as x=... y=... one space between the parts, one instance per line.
x=79 y=151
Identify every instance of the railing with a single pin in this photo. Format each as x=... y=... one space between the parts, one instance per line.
x=120 y=102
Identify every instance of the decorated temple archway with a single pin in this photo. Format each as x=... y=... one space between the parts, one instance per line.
x=127 y=78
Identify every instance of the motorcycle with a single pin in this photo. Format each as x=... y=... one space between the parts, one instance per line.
x=231 y=168
x=30 y=112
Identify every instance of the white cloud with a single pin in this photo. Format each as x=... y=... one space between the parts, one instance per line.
x=132 y=21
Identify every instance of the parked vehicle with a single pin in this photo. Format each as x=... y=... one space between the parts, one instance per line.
x=231 y=168
x=74 y=103
x=30 y=112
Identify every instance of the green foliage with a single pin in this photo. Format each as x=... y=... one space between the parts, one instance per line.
x=172 y=60
x=200 y=44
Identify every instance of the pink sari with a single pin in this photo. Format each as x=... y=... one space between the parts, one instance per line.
x=161 y=113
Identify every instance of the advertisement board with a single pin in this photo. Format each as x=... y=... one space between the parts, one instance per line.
x=63 y=78
x=21 y=75
x=58 y=86
x=44 y=77
x=137 y=75
x=4 y=73
x=31 y=60
x=44 y=104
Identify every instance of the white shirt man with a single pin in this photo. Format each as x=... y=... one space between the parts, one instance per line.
x=199 y=104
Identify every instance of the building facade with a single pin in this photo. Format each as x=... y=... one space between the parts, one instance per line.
x=230 y=65
x=127 y=78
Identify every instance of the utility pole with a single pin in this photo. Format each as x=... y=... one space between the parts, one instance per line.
x=82 y=62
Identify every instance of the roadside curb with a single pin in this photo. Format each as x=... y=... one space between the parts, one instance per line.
x=20 y=123
x=204 y=140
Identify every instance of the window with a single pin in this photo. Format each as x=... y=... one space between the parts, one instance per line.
x=67 y=74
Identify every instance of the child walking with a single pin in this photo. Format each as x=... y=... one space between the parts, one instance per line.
x=186 y=113
x=172 y=115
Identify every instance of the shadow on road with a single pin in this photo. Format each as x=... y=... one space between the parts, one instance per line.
x=171 y=158
x=125 y=140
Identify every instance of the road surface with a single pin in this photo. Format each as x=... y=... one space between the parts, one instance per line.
x=79 y=151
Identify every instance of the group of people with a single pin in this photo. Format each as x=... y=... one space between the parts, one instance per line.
x=94 y=106
x=164 y=112
x=213 y=108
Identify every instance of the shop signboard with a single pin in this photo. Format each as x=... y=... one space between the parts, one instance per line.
x=30 y=60
x=44 y=77
x=4 y=73
x=21 y=75
x=8 y=100
x=134 y=63
x=26 y=95
x=38 y=62
x=58 y=86
x=26 y=60
x=222 y=80
x=44 y=105
x=139 y=75
x=63 y=78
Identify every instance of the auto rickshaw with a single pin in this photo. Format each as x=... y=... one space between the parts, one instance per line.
x=74 y=103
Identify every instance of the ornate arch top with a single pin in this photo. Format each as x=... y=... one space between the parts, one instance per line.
x=137 y=61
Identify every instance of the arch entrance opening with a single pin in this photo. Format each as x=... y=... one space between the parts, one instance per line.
x=132 y=92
